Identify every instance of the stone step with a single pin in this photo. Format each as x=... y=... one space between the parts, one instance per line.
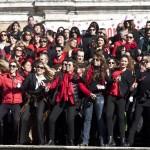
x=32 y=147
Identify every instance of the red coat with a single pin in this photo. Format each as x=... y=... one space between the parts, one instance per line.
x=11 y=94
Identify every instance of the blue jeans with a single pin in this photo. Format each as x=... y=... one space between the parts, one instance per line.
x=97 y=105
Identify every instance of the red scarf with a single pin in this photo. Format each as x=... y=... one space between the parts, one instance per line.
x=114 y=89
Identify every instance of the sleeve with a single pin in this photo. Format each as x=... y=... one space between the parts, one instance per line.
x=84 y=89
x=53 y=84
x=25 y=83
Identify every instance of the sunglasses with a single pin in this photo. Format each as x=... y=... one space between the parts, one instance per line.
x=129 y=37
x=40 y=67
x=12 y=66
x=43 y=41
x=3 y=35
x=96 y=59
x=58 y=51
x=110 y=62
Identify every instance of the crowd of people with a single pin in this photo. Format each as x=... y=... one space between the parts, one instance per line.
x=67 y=83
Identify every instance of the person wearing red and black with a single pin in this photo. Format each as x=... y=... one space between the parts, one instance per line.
x=142 y=95
x=36 y=102
x=119 y=87
x=66 y=99
x=12 y=97
x=94 y=80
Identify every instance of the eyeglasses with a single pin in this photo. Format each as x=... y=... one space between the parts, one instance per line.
x=111 y=62
x=3 y=35
x=40 y=67
x=12 y=66
x=96 y=59
x=58 y=51
x=129 y=37
x=65 y=64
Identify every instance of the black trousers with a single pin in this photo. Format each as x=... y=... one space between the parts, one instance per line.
x=70 y=114
x=115 y=104
x=25 y=121
x=15 y=110
x=138 y=112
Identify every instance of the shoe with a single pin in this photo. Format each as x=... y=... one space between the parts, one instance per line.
x=101 y=141
x=83 y=144
x=50 y=142
x=70 y=143
x=123 y=142
x=111 y=141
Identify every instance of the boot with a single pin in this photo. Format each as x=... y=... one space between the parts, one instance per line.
x=111 y=141
x=51 y=142
x=101 y=141
x=123 y=142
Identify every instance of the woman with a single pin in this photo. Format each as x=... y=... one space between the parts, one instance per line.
x=119 y=87
x=142 y=97
x=95 y=83
x=12 y=97
x=37 y=101
x=14 y=28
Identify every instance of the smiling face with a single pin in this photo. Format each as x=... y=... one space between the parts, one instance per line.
x=80 y=56
x=40 y=69
x=13 y=67
x=124 y=62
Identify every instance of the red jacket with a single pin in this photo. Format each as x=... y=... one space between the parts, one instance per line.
x=11 y=94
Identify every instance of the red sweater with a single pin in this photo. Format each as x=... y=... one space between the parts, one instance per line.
x=11 y=94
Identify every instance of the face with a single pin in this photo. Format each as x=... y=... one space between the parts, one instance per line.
x=40 y=70
x=31 y=21
x=28 y=36
x=27 y=66
x=64 y=66
x=66 y=33
x=13 y=67
x=111 y=63
x=148 y=25
x=70 y=67
x=43 y=42
x=37 y=29
x=58 y=51
x=74 y=35
x=13 y=40
x=60 y=40
x=18 y=51
x=37 y=39
x=73 y=43
x=80 y=57
x=16 y=27
x=96 y=61
x=146 y=62
x=148 y=34
x=3 y=36
x=124 y=62
x=43 y=59
x=130 y=38
x=92 y=31
x=101 y=42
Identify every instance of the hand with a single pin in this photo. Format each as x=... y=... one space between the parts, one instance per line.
x=93 y=96
x=100 y=87
x=118 y=78
x=18 y=85
x=131 y=99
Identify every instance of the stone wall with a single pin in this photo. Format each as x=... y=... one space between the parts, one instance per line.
x=70 y=12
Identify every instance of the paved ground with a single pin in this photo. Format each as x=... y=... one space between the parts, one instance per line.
x=32 y=147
